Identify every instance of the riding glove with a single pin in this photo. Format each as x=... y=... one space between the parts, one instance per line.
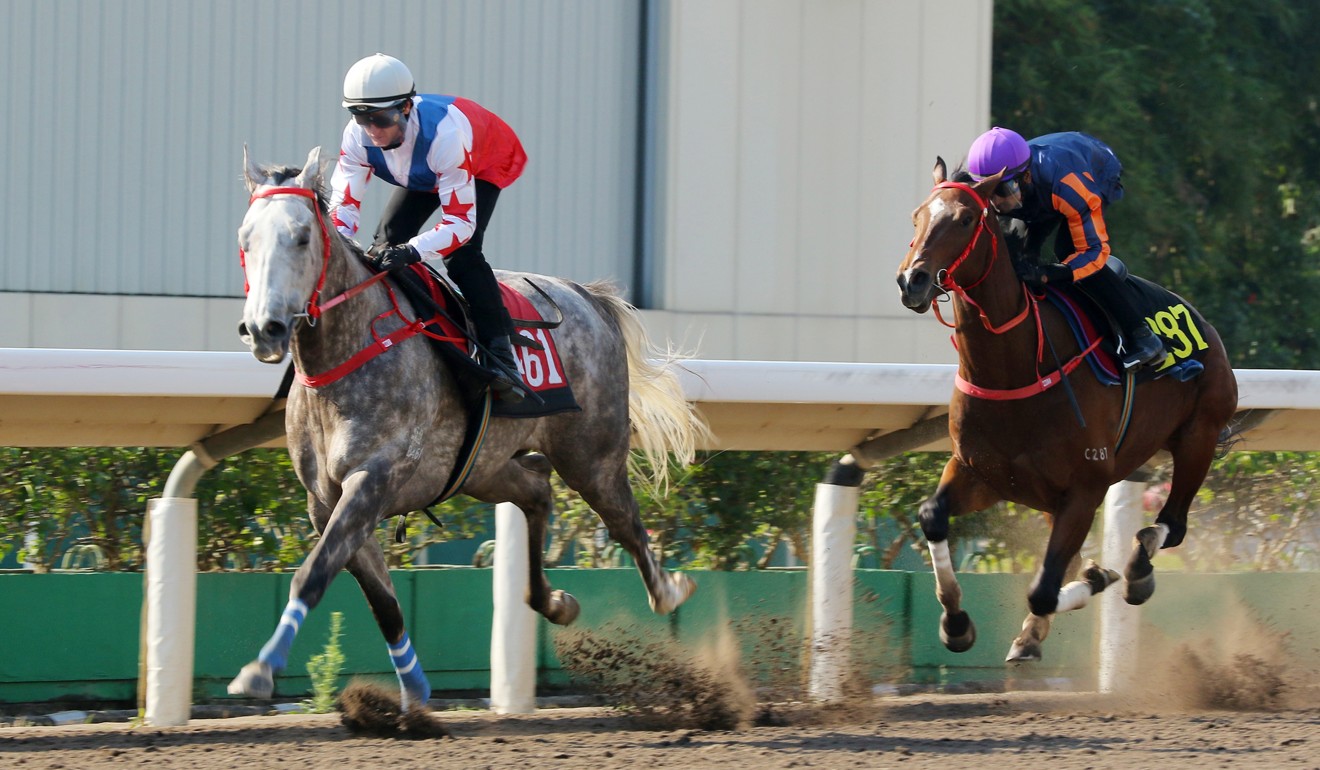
x=1036 y=276
x=395 y=258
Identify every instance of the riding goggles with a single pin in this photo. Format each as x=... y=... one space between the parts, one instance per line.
x=380 y=117
x=1007 y=189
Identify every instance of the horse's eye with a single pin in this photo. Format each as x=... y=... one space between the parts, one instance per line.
x=966 y=221
x=303 y=238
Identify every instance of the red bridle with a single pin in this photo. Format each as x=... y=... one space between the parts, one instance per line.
x=1043 y=382
x=946 y=281
x=314 y=309
x=381 y=343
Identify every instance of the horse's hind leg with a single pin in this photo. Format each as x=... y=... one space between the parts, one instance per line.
x=959 y=492
x=1193 y=451
x=606 y=489
x=368 y=566
x=525 y=482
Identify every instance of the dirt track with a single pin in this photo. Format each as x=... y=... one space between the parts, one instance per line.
x=1064 y=730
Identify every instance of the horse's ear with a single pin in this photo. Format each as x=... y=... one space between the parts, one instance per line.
x=940 y=172
x=310 y=178
x=252 y=173
x=987 y=186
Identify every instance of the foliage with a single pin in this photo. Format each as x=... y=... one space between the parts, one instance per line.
x=54 y=499
x=1212 y=106
x=252 y=510
x=324 y=668
x=1257 y=511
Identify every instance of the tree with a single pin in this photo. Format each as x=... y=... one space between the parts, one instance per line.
x=1212 y=107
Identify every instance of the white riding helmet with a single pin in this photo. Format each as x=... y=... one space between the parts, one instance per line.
x=376 y=82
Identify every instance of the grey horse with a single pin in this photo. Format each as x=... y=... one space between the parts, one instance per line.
x=382 y=440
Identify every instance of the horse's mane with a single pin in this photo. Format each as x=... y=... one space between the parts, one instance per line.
x=961 y=174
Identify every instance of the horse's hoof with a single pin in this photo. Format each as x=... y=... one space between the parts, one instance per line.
x=1139 y=590
x=562 y=608
x=675 y=589
x=255 y=680
x=1140 y=576
x=957 y=631
x=1023 y=652
x=1099 y=578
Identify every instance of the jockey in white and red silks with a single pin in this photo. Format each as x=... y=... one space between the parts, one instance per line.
x=446 y=153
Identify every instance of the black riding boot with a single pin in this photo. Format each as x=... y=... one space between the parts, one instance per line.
x=1140 y=345
x=470 y=271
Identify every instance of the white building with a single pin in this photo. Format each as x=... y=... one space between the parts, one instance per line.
x=745 y=168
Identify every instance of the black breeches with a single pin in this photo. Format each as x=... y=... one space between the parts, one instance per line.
x=407 y=211
x=404 y=216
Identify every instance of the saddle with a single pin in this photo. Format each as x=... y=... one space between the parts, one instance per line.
x=1170 y=316
x=451 y=333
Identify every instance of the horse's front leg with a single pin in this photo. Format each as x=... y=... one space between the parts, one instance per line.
x=351 y=523
x=959 y=492
x=373 y=576
x=1048 y=594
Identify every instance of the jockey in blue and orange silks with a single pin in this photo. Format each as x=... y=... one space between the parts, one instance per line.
x=446 y=153
x=1065 y=181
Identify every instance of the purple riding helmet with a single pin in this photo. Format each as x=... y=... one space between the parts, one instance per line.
x=999 y=149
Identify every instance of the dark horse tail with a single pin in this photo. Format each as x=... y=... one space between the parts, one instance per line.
x=662 y=420
x=1231 y=435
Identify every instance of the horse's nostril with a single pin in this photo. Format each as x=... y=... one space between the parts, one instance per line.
x=242 y=331
x=275 y=330
x=917 y=281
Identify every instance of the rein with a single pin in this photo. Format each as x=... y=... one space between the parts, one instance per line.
x=380 y=344
x=1030 y=308
x=947 y=282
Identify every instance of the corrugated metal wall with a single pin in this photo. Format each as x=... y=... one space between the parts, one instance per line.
x=798 y=136
x=124 y=123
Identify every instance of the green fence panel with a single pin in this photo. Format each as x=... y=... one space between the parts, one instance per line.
x=998 y=605
x=765 y=612
x=69 y=636
x=881 y=625
x=1219 y=616
x=450 y=621
x=69 y=627
x=75 y=636
x=236 y=614
x=614 y=605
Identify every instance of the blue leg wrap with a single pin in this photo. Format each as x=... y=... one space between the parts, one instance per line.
x=276 y=652
x=413 y=687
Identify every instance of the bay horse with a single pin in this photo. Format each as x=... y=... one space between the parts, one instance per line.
x=381 y=440
x=1016 y=437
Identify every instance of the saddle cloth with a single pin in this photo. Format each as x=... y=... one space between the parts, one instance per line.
x=1168 y=315
x=534 y=348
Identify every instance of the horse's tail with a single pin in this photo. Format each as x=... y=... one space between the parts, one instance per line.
x=662 y=419
x=1242 y=422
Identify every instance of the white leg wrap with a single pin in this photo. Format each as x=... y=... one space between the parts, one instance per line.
x=1164 y=534
x=1074 y=596
x=946 y=583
